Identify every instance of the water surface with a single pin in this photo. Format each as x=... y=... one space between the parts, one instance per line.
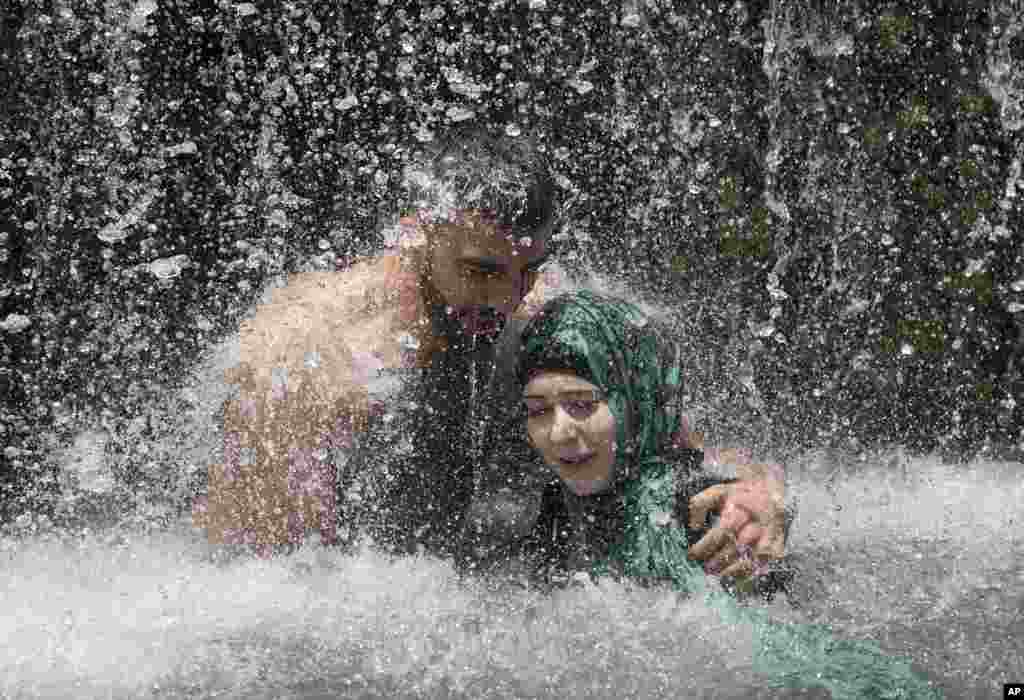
x=922 y=557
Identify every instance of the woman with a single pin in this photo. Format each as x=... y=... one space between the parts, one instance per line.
x=595 y=373
x=602 y=398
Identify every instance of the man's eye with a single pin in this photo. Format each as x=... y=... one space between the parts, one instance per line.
x=480 y=272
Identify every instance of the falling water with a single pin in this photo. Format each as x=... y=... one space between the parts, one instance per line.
x=137 y=207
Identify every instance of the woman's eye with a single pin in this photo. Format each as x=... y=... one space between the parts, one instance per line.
x=580 y=408
x=533 y=410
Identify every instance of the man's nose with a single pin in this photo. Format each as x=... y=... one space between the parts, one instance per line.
x=502 y=297
x=563 y=426
x=508 y=284
x=519 y=289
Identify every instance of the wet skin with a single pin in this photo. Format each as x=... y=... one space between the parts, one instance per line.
x=750 y=533
x=572 y=428
x=481 y=270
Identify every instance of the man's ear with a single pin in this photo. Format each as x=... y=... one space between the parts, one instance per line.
x=419 y=237
x=688 y=438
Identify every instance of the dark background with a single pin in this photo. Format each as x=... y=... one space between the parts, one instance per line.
x=829 y=193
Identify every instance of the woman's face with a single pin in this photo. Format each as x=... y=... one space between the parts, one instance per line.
x=571 y=426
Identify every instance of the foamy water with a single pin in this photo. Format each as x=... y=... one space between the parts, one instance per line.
x=154 y=617
x=925 y=559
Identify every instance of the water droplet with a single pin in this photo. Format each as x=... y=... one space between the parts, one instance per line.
x=631 y=19
x=15 y=323
x=137 y=20
x=404 y=68
x=843 y=45
x=113 y=232
x=855 y=307
x=168 y=268
x=278 y=217
x=424 y=135
x=459 y=114
x=581 y=86
x=183 y=148
x=346 y=103
x=408 y=342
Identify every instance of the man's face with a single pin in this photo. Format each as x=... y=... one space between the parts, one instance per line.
x=482 y=270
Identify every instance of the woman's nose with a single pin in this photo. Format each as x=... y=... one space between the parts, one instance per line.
x=563 y=426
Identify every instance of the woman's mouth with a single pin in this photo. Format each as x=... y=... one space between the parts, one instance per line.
x=576 y=460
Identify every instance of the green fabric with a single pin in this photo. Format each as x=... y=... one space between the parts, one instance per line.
x=613 y=345
x=637 y=366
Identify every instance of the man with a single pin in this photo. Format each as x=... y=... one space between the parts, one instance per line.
x=371 y=378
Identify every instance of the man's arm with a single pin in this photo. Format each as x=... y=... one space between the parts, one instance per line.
x=752 y=524
x=307 y=359
x=752 y=517
x=277 y=479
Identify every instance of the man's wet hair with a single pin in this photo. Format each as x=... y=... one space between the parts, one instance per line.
x=472 y=170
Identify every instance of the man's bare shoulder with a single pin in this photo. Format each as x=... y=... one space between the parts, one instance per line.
x=360 y=288
x=329 y=320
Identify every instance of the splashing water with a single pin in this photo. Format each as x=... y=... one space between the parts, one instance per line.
x=153 y=617
x=921 y=557
x=925 y=559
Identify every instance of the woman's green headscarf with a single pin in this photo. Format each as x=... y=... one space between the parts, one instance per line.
x=613 y=345
x=616 y=347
